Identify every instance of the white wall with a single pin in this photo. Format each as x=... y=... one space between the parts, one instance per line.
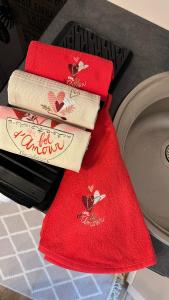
x=156 y=11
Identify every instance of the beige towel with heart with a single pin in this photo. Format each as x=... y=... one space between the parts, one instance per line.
x=42 y=139
x=53 y=99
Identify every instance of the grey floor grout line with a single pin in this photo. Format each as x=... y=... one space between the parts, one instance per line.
x=15 y=250
x=71 y=277
x=52 y=286
x=41 y=259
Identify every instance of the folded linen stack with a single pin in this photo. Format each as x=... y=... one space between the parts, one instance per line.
x=63 y=145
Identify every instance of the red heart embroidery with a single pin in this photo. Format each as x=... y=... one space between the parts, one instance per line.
x=56 y=102
x=58 y=105
x=88 y=202
x=19 y=114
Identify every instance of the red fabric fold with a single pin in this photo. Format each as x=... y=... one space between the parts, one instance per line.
x=95 y=223
x=81 y=70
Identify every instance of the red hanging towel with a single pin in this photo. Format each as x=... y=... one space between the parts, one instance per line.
x=75 y=68
x=95 y=223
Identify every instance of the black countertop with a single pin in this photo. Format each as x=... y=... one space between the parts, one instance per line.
x=148 y=42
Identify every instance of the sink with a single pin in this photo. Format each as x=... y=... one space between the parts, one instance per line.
x=142 y=126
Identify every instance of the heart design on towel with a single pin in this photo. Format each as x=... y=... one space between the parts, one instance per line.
x=73 y=68
x=76 y=68
x=90 y=188
x=74 y=93
x=38 y=141
x=58 y=106
x=98 y=197
x=56 y=101
x=88 y=202
x=20 y=114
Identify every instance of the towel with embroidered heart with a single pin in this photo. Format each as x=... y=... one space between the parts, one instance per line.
x=77 y=69
x=53 y=99
x=46 y=140
x=95 y=223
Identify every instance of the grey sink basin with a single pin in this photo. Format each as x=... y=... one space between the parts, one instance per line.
x=142 y=126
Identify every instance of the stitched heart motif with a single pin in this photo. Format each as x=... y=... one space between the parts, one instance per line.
x=19 y=114
x=74 y=93
x=76 y=68
x=58 y=105
x=88 y=202
x=56 y=101
x=90 y=188
x=98 y=197
x=73 y=68
x=60 y=97
x=82 y=66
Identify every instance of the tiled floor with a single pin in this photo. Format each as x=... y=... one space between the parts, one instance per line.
x=23 y=269
x=7 y=294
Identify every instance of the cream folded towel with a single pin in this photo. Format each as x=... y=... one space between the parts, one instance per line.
x=53 y=99
x=46 y=140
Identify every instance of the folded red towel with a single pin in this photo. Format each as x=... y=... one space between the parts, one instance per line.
x=95 y=223
x=78 y=69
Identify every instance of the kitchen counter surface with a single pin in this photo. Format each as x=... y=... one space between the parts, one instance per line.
x=148 y=42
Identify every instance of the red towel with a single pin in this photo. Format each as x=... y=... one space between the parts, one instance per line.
x=78 y=69
x=95 y=223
